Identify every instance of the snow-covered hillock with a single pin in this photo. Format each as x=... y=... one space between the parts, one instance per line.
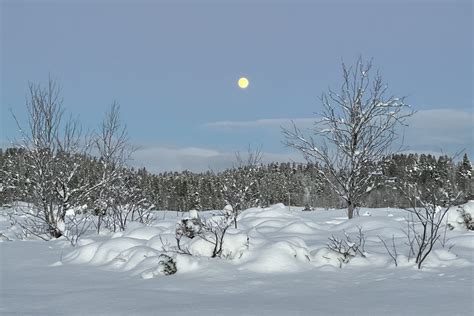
x=277 y=240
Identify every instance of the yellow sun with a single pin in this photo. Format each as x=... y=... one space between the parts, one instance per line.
x=243 y=83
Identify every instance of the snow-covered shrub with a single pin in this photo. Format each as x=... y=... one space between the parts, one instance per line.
x=188 y=227
x=348 y=246
x=211 y=230
x=76 y=226
x=214 y=231
x=461 y=217
x=4 y=237
x=421 y=241
x=467 y=219
x=430 y=203
x=167 y=265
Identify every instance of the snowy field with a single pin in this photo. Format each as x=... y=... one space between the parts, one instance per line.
x=276 y=263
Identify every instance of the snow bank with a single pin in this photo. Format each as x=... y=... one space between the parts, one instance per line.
x=277 y=257
x=131 y=257
x=99 y=253
x=82 y=254
x=274 y=240
x=145 y=233
x=444 y=258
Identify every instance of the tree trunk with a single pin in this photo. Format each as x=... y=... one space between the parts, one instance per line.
x=350 y=210
x=55 y=232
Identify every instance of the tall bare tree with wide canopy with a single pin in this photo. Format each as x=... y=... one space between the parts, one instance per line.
x=357 y=128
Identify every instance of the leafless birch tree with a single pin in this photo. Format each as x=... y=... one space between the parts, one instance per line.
x=114 y=150
x=242 y=191
x=357 y=128
x=53 y=150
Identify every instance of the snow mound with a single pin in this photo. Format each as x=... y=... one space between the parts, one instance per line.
x=275 y=206
x=367 y=224
x=277 y=212
x=325 y=257
x=297 y=228
x=235 y=244
x=187 y=264
x=445 y=258
x=265 y=222
x=99 y=253
x=281 y=256
x=162 y=241
x=83 y=254
x=145 y=233
x=273 y=240
x=131 y=257
x=465 y=241
x=110 y=249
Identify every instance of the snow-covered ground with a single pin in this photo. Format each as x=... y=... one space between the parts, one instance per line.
x=277 y=263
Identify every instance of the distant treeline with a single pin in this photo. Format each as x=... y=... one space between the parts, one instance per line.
x=258 y=184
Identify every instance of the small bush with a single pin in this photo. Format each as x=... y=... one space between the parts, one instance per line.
x=167 y=265
x=348 y=246
x=188 y=227
x=467 y=219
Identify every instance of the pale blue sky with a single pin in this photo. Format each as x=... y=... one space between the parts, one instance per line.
x=173 y=68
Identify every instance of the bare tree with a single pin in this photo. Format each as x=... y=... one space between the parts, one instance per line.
x=428 y=210
x=253 y=158
x=55 y=158
x=53 y=150
x=357 y=128
x=128 y=203
x=240 y=190
x=113 y=149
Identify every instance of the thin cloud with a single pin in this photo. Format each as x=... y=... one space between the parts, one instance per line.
x=276 y=122
x=434 y=130
x=441 y=128
x=160 y=159
x=446 y=118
